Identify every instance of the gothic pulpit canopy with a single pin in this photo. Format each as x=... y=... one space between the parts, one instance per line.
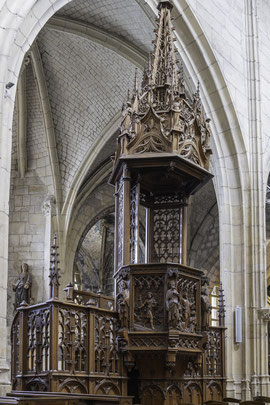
x=159 y=121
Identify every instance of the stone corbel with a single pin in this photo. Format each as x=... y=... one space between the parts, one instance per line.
x=264 y=314
x=49 y=206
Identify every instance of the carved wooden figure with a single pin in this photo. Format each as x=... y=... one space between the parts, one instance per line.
x=173 y=306
x=22 y=287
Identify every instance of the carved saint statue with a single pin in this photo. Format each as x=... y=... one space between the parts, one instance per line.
x=206 y=308
x=185 y=310
x=123 y=304
x=149 y=304
x=22 y=287
x=172 y=306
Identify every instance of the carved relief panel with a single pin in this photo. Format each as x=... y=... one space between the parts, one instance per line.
x=148 y=302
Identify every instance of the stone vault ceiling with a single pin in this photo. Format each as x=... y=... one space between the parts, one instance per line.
x=124 y=18
x=87 y=84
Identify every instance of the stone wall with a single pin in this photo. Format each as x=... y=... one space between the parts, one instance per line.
x=27 y=195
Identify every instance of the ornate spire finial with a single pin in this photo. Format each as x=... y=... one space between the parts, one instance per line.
x=165 y=3
x=221 y=306
x=54 y=271
x=136 y=86
x=162 y=118
x=198 y=88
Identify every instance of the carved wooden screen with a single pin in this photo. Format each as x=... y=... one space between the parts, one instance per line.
x=38 y=332
x=106 y=353
x=166 y=235
x=15 y=343
x=64 y=340
x=152 y=396
x=214 y=353
x=120 y=222
x=166 y=223
x=134 y=218
x=72 y=340
x=81 y=331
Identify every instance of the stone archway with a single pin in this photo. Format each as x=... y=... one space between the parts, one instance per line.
x=25 y=23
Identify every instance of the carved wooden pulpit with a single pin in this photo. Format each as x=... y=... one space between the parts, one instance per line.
x=152 y=344
x=162 y=158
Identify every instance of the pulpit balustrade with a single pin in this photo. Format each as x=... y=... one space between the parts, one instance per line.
x=72 y=347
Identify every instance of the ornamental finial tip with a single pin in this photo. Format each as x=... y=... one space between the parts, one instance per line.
x=165 y=3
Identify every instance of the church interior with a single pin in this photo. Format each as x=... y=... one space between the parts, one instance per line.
x=135 y=202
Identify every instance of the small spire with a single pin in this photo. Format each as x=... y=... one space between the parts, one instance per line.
x=54 y=271
x=136 y=86
x=128 y=97
x=221 y=307
x=197 y=93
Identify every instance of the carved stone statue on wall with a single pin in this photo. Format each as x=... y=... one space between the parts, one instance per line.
x=172 y=306
x=22 y=287
x=123 y=304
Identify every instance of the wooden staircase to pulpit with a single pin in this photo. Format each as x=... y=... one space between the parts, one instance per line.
x=152 y=344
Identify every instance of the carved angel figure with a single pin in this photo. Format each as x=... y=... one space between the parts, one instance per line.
x=22 y=287
x=172 y=305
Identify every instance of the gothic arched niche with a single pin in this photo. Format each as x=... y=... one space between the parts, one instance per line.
x=93 y=265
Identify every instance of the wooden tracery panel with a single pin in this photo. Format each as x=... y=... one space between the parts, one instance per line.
x=152 y=395
x=15 y=343
x=38 y=333
x=166 y=234
x=173 y=395
x=120 y=222
x=80 y=343
x=214 y=353
x=64 y=340
x=192 y=394
x=72 y=340
x=106 y=353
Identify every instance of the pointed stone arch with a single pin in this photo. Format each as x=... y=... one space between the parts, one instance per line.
x=229 y=145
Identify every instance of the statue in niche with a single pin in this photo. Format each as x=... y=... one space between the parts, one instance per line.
x=22 y=287
x=172 y=306
x=206 y=307
x=185 y=311
x=148 y=305
x=123 y=304
x=193 y=322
